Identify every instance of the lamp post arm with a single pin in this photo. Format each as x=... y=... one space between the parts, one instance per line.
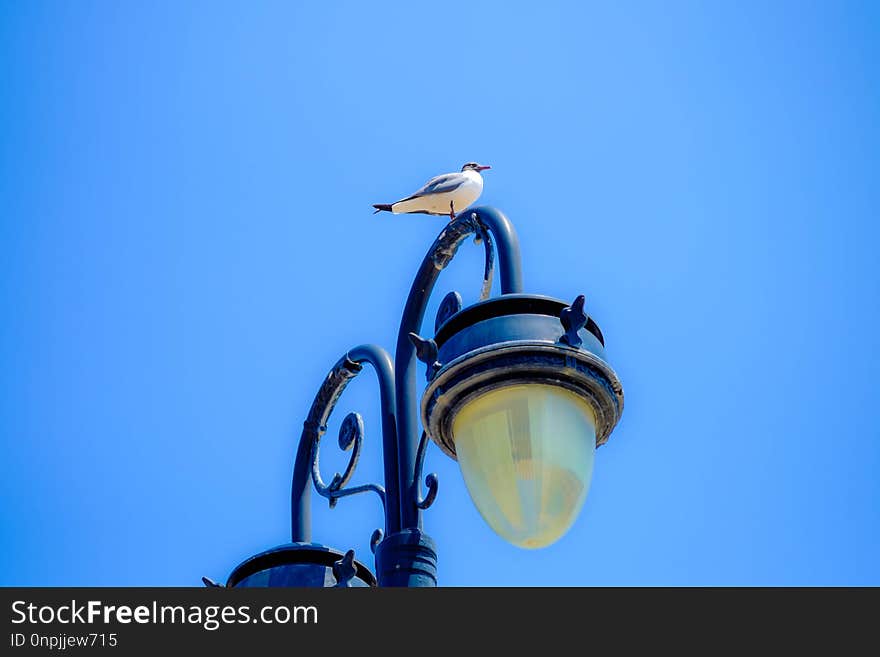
x=305 y=468
x=441 y=253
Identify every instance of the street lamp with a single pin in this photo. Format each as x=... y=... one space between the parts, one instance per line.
x=522 y=398
x=518 y=391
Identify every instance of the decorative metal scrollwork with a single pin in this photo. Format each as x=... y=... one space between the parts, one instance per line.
x=489 y=269
x=351 y=436
x=451 y=238
x=431 y=481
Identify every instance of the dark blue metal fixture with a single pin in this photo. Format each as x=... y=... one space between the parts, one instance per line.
x=513 y=340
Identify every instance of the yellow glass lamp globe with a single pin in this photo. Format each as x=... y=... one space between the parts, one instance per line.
x=526 y=453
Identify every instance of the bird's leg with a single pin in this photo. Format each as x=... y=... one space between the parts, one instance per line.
x=451 y=210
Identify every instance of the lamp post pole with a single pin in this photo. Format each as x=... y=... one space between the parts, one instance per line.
x=404 y=554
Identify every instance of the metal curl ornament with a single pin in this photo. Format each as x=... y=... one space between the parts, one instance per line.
x=351 y=436
x=483 y=235
x=431 y=481
x=306 y=470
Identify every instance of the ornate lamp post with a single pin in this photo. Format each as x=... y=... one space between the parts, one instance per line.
x=519 y=392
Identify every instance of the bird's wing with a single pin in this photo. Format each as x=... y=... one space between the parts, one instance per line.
x=446 y=183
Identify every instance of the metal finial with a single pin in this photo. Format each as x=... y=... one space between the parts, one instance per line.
x=426 y=351
x=573 y=319
x=450 y=305
x=344 y=570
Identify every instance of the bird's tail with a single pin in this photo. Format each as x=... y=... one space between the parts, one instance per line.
x=382 y=206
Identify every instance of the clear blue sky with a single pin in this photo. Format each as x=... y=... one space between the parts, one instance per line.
x=188 y=246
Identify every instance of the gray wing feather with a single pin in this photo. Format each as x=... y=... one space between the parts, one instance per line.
x=439 y=185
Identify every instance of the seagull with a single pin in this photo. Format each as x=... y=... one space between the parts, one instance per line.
x=442 y=195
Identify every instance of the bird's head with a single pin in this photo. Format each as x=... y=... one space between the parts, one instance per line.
x=475 y=166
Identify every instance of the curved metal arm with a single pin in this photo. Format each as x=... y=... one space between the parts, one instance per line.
x=305 y=466
x=444 y=248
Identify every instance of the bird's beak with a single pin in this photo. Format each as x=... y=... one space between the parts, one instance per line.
x=483 y=167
